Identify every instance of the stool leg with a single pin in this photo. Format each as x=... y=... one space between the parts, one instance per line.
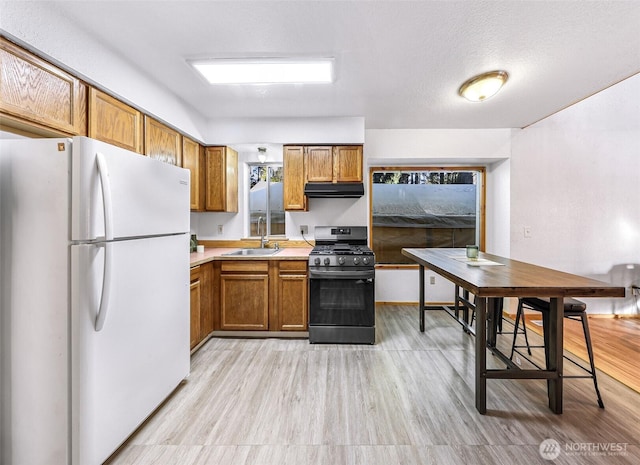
x=519 y=315
x=587 y=338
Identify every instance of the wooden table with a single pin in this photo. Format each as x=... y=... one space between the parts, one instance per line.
x=510 y=279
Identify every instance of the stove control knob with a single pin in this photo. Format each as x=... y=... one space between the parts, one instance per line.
x=341 y=260
x=327 y=261
x=365 y=260
x=317 y=261
x=356 y=260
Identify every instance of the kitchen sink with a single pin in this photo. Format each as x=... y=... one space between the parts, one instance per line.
x=253 y=252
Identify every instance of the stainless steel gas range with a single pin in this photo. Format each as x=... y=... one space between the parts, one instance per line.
x=341 y=287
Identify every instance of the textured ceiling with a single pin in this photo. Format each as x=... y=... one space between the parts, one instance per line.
x=399 y=63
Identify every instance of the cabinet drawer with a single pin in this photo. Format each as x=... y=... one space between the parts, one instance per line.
x=297 y=267
x=246 y=266
x=195 y=273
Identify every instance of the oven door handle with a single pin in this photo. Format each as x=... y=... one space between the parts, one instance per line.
x=342 y=274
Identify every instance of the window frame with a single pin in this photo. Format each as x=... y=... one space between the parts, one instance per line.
x=482 y=202
x=269 y=166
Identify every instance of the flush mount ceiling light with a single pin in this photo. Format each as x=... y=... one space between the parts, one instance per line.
x=483 y=86
x=265 y=70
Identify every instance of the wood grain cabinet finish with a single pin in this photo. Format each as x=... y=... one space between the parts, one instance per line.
x=221 y=179
x=195 y=304
x=319 y=163
x=244 y=295
x=202 y=310
x=347 y=163
x=207 y=307
x=294 y=178
x=40 y=94
x=161 y=142
x=340 y=163
x=115 y=122
x=193 y=160
x=292 y=305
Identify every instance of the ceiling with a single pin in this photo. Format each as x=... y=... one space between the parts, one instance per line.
x=399 y=63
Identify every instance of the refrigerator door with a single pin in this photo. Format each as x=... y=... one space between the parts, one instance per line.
x=137 y=195
x=121 y=373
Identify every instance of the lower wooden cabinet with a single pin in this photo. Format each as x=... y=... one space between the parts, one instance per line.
x=262 y=295
x=292 y=303
x=196 y=295
x=244 y=295
x=202 y=291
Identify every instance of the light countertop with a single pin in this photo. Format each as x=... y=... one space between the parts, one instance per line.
x=216 y=253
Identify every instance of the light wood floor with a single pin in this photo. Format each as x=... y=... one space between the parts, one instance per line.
x=408 y=399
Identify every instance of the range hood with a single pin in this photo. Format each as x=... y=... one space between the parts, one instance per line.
x=339 y=190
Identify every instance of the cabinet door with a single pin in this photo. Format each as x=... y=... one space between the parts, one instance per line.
x=114 y=122
x=196 y=303
x=244 y=302
x=347 y=163
x=207 y=306
x=293 y=165
x=193 y=160
x=292 y=296
x=38 y=93
x=161 y=142
x=221 y=179
x=319 y=163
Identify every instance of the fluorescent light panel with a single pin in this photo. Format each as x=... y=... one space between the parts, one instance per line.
x=265 y=71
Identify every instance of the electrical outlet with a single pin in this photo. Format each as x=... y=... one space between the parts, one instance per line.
x=304 y=229
x=432 y=280
x=527 y=232
x=220 y=229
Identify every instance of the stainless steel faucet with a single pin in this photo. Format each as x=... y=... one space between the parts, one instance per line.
x=263 y=240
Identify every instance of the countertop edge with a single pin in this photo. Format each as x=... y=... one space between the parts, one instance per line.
x=217 y=254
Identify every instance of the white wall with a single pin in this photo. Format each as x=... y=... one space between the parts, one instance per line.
x=575 y=183
x=43 y=30
x=481 y=147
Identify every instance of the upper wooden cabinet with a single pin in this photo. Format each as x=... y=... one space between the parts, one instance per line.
x=221 y=179
x=114 y=122
x=193 y=160
x=293 y=183
x=161 y=142
x=347 y=163
x=341 y=163
x=319 y=163
x=39 y=93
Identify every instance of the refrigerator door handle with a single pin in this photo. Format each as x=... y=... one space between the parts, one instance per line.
x=103 y=172
x=108 y=233
x=106 y=285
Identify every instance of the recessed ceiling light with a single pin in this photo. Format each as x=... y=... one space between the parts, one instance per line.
x=265 y=70
x=486 y=85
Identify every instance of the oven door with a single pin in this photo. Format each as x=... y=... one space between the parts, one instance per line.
x=341 y=298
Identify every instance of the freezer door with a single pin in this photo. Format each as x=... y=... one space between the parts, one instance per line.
x=121 y=373
x=137 y=195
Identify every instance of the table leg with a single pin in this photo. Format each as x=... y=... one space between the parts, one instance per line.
x=481 y=355
x=554 y=342
x=492 y=326
x=421 y=298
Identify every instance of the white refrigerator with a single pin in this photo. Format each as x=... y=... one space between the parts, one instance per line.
x=94 y=294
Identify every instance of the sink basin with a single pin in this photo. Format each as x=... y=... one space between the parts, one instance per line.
x=253 y=252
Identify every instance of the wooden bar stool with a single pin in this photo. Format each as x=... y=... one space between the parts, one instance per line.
x=574 y=310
